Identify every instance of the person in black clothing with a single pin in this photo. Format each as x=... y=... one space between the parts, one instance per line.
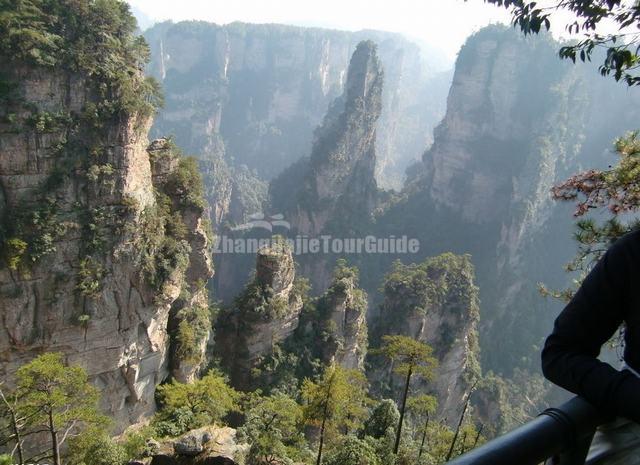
x=608 y=299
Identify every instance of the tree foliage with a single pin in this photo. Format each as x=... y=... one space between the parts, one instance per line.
x=95 y=447
x=408 y=355
x=353 y=451
x=607 y=204
x=409 y=358
x=55 y=399
x=335 y=403
x=96 y=38
x=383 y=418
x=188 y=406
x=273 y=428
x=621 y=59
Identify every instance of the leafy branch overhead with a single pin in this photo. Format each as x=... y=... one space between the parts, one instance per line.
x=622 y=46
x=614 y=196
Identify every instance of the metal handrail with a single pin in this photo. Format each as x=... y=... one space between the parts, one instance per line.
x=564 y=432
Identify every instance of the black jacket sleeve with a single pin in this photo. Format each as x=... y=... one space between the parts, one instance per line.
x=569 y=358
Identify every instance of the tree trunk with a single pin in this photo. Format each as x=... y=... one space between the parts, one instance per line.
x=475 y=443
x=455 y=436
x=324 y=421
x=464 y=410
x=55 y=447
x=463 y=447
x=15 y=426
x=424 y=437
x=402 y=409
x=16 y=433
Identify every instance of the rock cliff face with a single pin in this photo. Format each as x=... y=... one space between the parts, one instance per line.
x=275 y=332
x=263 y=316
x=99 y=239
x=253 y=94
x=346 y=307
x=518 y=121
x=435 y=302
x=340 y=175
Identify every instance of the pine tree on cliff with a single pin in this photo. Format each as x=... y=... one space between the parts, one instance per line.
x=410 y=357
x=57 y=400
x=422 y=407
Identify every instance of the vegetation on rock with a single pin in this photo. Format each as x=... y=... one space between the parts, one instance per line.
x=206 y=401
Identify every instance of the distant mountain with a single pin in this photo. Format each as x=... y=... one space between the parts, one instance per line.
x=252 y=94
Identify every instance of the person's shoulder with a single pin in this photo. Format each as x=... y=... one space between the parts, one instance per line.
x=629 y=240
x=626 y=249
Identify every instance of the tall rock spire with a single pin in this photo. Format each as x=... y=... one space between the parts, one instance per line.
x=340 y=174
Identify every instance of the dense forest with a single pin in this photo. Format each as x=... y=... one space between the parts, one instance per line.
x=268 y=244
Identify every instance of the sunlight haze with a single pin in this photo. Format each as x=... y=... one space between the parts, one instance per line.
x=441 y=24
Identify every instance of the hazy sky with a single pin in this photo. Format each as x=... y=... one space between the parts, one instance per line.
x=443 y=24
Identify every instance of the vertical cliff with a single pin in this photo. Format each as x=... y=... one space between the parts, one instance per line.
x=100 y=236
x=435 y=302
x=340 y=175
x=518 y=121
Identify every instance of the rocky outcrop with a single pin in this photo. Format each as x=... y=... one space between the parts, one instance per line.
x=265 y=314
x=233 y=193
x=100 y=238
x=262 y=89
x=435 y=302
x=189 y=321
x=347 y=312
x=335 y=330
x=211 y=445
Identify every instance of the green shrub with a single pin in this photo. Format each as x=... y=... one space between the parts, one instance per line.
x=45 y=121
x=14 y=249
x=31 y=232
x=99 y=172
x=90 y=277
x=97 y=448
x=188 y=406
x=138 y=444
x=194 y=327
x=353 y=451
x=185 y=184
x=178 y=421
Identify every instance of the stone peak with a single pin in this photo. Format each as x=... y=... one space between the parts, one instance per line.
x=365 y=75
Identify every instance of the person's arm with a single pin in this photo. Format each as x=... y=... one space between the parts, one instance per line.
x=569 y=358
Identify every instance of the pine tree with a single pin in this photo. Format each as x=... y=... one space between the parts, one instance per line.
x=56 y=399
x=272 y=427
x=422 y=407
x=409 y=357
x=337 y=401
